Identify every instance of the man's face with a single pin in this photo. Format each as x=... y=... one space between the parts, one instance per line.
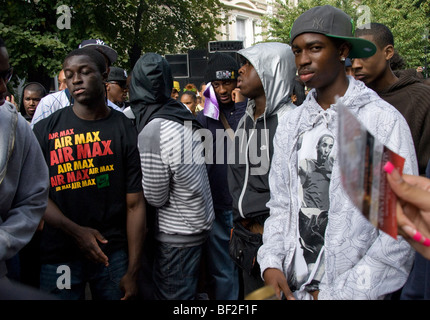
x=249 y=82
x=370 y=69
x=317 y=60
x=189 y=101
x=61 y=81
x=117 y=91
x=202 y=90
x=175 y=94
x=31 y=100
x=324 y=148
x=83 y=79
x=223 y=90
x=4 y=67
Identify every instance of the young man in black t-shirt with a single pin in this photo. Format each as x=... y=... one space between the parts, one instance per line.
x=96 y=209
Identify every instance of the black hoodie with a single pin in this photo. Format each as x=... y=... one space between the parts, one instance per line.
x=150 y=88
x=176 y=187
x=412 y=98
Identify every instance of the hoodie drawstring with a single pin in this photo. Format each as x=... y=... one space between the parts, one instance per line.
x=317 y=117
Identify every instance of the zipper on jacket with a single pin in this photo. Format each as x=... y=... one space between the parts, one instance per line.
x=245 y=182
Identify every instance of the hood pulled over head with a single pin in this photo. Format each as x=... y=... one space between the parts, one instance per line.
x=276 y=67
x=151 y=81
x=150 y=88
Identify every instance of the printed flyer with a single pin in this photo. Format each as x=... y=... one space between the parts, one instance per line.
x=362 y=159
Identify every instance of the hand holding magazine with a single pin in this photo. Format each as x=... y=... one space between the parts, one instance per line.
x=362 y=158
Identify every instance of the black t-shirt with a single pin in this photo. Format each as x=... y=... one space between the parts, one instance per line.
x=92 y=166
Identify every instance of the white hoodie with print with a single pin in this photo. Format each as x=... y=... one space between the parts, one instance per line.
x=360 y=261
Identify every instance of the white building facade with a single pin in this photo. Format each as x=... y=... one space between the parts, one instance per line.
x=245 y=20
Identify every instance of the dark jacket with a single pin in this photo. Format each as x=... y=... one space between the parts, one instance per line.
x=412 y=98
x=217 y=171
x=248 y=176
x=418 y=285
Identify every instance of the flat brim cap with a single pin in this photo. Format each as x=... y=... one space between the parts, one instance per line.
x=101 y=46
x=332 y=22
x=117 y=74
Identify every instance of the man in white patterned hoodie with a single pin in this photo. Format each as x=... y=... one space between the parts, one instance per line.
x=311 y=251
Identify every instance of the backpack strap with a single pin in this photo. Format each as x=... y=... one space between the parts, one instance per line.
x=226 y=125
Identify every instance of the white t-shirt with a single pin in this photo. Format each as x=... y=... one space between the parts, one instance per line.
x=315 y=162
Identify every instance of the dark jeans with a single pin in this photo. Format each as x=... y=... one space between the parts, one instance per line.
x=223 y=274
x=176 y=272
x=103 y=281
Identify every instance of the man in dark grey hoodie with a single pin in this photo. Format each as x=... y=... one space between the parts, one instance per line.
x=266 y=78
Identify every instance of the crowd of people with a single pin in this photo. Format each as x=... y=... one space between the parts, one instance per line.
x=123 y=186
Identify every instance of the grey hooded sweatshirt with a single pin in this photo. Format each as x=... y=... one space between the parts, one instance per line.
x=248 y=175
x=24 y=183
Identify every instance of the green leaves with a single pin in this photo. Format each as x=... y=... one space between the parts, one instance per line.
x=407 y=20
x=37 y=46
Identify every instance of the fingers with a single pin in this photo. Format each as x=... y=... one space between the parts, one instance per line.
x=276 y=279
x=287 y=292
x=418 y=181
x=99 y=254
x=406 y=191
x=237 y=96
x=100 y=237
x=89 y=244
x=416 y=235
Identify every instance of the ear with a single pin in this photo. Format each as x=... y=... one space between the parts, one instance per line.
x=344 y=49
x=106 y=74
x=388 y=52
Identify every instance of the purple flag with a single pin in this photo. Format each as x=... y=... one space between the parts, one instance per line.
x=211 y=108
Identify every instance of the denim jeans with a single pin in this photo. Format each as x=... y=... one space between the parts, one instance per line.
x=223 y=274
x=176 y=272
x=103 y=281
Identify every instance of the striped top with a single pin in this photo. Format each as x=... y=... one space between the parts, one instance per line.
x=175 y=181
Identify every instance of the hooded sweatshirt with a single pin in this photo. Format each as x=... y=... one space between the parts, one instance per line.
x=412 y=98
x=248 y=175
x=24 y=183
x=174 y=175
x=360 y=261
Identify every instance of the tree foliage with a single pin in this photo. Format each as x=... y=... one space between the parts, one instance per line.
x=37 y=46
x=408 y=21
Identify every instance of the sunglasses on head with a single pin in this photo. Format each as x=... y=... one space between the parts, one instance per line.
x=6 y=75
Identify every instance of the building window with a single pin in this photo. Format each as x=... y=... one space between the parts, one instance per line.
x=240 y=29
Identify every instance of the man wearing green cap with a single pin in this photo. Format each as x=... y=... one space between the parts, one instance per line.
x=316 y=244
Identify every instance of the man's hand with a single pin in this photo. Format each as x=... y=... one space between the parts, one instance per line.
x=128 y=285
x=236 y=96
x=87 y=240
x=276 y=279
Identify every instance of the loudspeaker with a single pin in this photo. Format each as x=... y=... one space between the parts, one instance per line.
x=198 y=62
x=229 y=45
x=178 y=64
